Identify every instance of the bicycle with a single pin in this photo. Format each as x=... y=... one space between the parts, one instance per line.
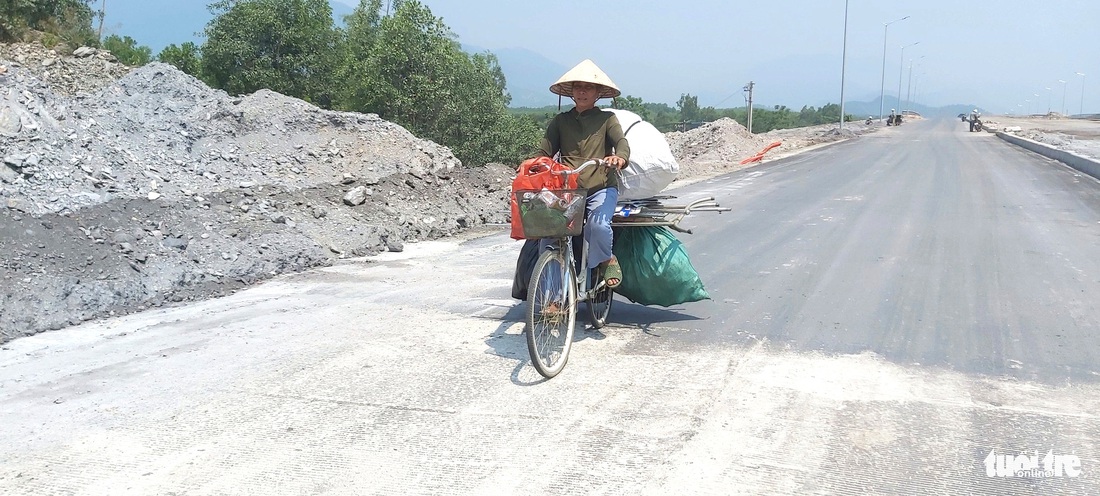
x=555 y=287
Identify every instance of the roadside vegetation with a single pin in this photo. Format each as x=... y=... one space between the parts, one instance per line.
x=392 y=58
x=688 y=115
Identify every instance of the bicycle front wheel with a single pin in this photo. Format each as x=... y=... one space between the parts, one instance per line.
x=551 y=312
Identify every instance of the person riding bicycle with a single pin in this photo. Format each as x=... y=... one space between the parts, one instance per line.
x=587 y=132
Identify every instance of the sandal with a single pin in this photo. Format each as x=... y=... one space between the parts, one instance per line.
x=613 y=272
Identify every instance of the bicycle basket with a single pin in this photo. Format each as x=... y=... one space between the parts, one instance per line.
x=551 y=213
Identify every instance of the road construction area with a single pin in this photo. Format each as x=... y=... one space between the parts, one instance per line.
x=913 y=323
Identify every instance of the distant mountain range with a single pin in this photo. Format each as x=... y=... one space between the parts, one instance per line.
x=530 y=75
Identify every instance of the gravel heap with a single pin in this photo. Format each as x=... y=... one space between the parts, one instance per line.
x=153 y=188
x=719 y=147
x=123 y=189
x=87 y=68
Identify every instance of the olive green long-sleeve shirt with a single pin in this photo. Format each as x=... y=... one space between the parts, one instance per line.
x=581 y=136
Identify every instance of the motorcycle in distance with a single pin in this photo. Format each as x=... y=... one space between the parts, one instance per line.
x=869 y=120
x=975 y=121
x=893 y=119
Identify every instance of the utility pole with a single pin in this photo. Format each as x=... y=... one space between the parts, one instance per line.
x=102 y=14
x=748 y=89
x=843 y=63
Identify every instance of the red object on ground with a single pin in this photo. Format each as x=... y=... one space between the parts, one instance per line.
x=758 y=156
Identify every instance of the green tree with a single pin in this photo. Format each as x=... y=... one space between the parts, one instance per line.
x=127 y=50
x=287 y=46
x=66 y=20
x=709 y=114
x=829 y=113
x=356 y=70
x=479 y=128
x=408 y=68
x=631 y=103
x=688 y=105
x=186 y=57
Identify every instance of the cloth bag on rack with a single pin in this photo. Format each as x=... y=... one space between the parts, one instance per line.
x=652 y=167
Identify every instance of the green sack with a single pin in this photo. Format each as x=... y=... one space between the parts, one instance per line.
x=656 y=269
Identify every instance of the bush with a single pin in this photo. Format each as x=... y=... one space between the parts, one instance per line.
x=127 y=50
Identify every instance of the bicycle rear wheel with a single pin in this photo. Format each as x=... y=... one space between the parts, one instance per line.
x=551 y=312
x=599 y=303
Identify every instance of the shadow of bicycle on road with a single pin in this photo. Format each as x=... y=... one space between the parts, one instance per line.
x=505 y=342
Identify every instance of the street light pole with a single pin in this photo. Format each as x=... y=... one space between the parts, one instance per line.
x=901 y=70
x=1082 y=109
x=917 y=88
x=1063 y=81
x=1050 y=96
x=910 y=86
x=843 y=63
x=882 y=85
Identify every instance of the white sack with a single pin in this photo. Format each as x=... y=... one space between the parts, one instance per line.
x=652 y=167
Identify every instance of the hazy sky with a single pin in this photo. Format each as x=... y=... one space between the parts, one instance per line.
x=994 y=54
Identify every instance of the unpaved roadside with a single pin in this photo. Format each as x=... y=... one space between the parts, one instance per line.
x=1081 y=136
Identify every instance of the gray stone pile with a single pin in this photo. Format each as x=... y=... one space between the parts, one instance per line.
x=119 y=194
x=159 y=133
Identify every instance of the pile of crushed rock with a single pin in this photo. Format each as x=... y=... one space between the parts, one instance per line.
x=66 y=74
x=719 y=147
x=154 y=188
x=126 y=188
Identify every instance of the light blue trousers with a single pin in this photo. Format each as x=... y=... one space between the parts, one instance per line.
x=597 y=227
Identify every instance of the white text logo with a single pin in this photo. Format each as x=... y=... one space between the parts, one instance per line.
x=1050 y=465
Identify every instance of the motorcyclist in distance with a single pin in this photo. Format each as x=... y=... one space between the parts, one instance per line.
x=974 y=120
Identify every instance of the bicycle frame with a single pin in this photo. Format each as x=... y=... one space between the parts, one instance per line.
x=580 y=267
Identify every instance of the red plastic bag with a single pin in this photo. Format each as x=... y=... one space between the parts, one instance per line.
x=536 y=174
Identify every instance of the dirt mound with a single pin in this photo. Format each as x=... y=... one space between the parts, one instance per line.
x=158 y=132
x=719 y=147
x=154 y=188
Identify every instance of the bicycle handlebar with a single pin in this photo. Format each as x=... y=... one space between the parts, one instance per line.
x=582 y=167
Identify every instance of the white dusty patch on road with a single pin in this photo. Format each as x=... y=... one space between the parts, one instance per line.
x=408 y=374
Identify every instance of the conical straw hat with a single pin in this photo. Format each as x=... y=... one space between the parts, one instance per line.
x=586 y=72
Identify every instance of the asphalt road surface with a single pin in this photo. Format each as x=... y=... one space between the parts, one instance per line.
x=907 y=313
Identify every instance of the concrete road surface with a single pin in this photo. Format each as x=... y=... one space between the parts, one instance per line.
x=906 y=313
